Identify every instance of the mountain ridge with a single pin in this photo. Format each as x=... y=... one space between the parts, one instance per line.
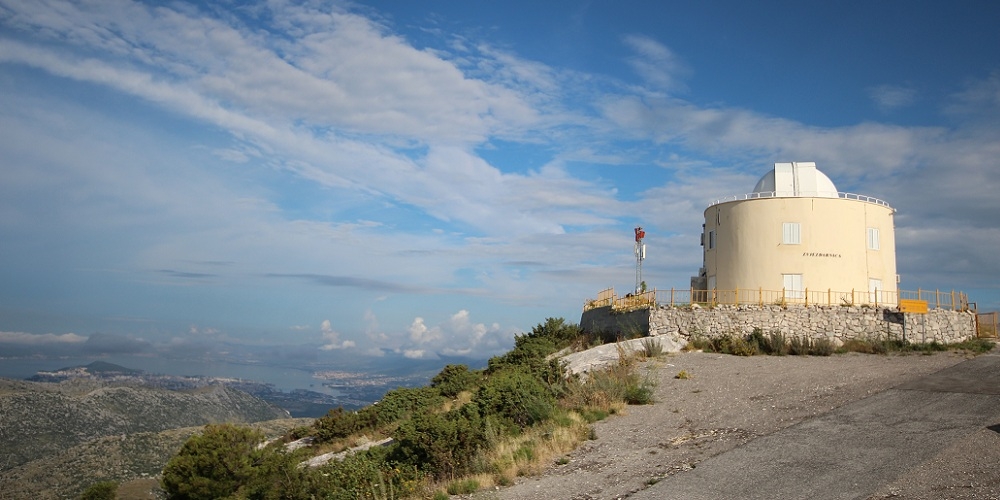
x=43 y=419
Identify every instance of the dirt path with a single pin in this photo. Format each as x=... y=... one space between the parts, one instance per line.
x=728 y=401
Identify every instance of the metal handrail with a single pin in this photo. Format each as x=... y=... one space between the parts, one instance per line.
x=782 y=194
x=673 y=297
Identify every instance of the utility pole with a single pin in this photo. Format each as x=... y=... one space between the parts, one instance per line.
x=640 y=255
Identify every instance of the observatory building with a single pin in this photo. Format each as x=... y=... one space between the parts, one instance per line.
x=795 y=232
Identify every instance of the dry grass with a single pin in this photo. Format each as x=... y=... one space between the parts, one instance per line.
x=536 y=449
x=459 y=401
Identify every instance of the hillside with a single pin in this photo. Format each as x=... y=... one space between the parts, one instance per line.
x=43 y=420
x=134 y=460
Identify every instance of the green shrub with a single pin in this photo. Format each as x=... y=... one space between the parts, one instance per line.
x=756 y=341
x=441 y=444
x=366 y=475
x=776 y=344
x=213 y=464
x=740 y=346
x=697 y=341
x=104 y=490
x=454 y=379
x=338 y=424
x=799 y=346
x=516 y=396
x=641 y=394
x=531 y=350
x=276 y=474
x=821 y=347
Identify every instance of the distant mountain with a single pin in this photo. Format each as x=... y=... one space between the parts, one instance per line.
x=40 y=420
x=104 y=367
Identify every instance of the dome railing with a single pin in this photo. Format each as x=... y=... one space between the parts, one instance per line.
x=783 y=194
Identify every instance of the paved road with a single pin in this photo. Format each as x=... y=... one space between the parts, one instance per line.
x=853 y=450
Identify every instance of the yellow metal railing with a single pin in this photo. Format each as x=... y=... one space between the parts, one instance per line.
x=673 y=297
x=986 y=325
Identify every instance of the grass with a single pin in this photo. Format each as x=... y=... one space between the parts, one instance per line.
x=462 y=486
x=535 y=449
x=777 y=344
x=651 y=348
x=886 y=346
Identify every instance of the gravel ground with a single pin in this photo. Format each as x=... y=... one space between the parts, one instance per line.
x=731 y=400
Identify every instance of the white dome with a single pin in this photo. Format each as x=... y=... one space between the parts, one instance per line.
x=796 y=179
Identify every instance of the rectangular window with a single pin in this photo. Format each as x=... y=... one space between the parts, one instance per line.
x=791 y=233
x=873 y=238
x=711 y=240
x=793 y=286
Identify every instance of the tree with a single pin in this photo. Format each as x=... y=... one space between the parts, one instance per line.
x=214 y=464
x=454 y=379
x=104 y=490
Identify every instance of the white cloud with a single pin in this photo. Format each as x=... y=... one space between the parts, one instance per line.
x=331 y=338
x=456 y=336
x=420 y=334
x=414 y=353
x=978 y=101
x=656 y=63
x=41 y=338
x=203 y=331
x=892 y=97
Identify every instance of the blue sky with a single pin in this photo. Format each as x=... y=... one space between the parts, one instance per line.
x=427 y=179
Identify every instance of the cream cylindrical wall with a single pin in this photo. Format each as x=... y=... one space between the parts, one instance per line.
x=804 y=243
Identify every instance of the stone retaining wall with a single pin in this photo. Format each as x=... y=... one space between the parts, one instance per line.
x=835 y=323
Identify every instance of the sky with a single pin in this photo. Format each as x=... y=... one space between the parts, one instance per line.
x=426 y=180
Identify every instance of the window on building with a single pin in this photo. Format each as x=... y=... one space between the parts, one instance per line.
x=711 y=240
x=873 y=238
x=793 y=286
x=791 y=233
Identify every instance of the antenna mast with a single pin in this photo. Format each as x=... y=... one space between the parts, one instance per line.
x=640 y=255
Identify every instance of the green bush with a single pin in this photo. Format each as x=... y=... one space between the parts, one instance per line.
x=531 y=349
x=454 y=379
x=640 y=394
x=276 y=475
x=395 y=405
x=799 y=346
x=821 y=347
x=442 y=445
x=104 y=490
x=740 y=346
x=757 y=342
x=214 y=464
x=517 y=396
x=776 y=344
x=365 y=475
x=337 y=424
